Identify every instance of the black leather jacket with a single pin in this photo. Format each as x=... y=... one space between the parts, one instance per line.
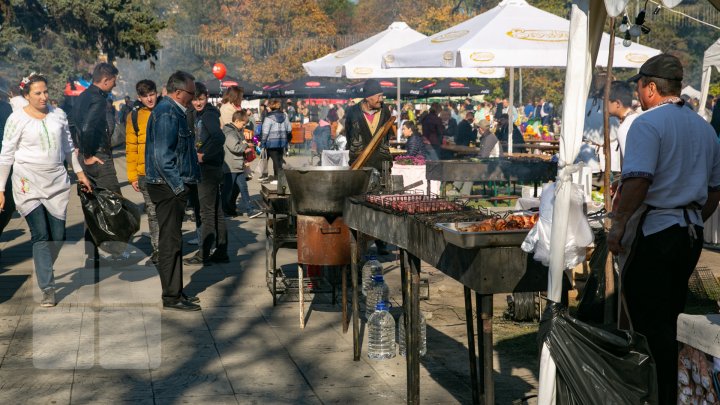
x=89 y=116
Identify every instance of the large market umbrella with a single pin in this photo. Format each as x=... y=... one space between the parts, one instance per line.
x=217 y=87
x=390 y=88
x=312 y=88
x=512 y=34
x=710 y=60
x=364 y=60
x=454 y=87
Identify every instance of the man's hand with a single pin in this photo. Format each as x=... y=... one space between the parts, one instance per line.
x=200 y=157
x=2 y=200
x=92 y=160
x=614 y=237
x=135 y=186
x=84 y=182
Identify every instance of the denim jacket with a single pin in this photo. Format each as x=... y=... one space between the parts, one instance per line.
x=170 y=155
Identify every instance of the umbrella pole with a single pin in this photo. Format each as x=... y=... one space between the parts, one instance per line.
x=397 y=100
x=609 y=270
x=511 y=119
x=520 y=87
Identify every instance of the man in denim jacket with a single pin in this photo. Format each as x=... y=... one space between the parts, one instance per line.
x=170 y=165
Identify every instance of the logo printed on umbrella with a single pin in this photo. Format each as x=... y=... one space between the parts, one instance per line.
x=362 y=70
x=637 y=57
x=486 y=71
x=449 y=36
x=312 y=84
x=482 y=56
x=385 y=83
x=346 y=53
x=389 y=58
x=457 y=85
x=538 y=35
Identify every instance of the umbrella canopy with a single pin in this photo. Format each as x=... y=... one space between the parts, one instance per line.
x=407 y=88
x=364 y=59
x=217 y=87
x=711 y=58
x=313 y=88
x=513 y=34
x=454 y=87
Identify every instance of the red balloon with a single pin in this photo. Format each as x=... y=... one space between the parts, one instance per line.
x=219 y=70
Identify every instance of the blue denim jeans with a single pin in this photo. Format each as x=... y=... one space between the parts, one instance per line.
x=47 y=234
x=231 y=179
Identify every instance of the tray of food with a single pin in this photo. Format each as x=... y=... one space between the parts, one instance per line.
x=492 y=232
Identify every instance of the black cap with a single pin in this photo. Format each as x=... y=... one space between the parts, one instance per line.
x=663 y=66
x=371 y=88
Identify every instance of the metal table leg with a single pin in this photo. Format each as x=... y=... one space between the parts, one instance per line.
x=345 y=320
x=471 y=346
x=412 y=311
x=301 y=294
x=485 y=342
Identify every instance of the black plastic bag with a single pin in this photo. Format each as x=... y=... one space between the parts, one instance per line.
x=592 y=302
x=597 y=366
x=110 y=218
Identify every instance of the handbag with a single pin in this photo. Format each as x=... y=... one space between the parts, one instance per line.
x=260 y=167
x=249 y=155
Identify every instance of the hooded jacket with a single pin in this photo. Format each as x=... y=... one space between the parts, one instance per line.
x=209 y=135
x=135 y=141
x=235 y=146
x=275 y=130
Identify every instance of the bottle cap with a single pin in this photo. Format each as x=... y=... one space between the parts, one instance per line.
x=382 y=306
x=378 y=277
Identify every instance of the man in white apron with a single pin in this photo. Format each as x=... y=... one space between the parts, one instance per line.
x=670 y=185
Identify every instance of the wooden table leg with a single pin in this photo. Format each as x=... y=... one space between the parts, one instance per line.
x=345 y=320
x=413 y=329
x=354 y=253
x=301 y=286
x=471 y=346
x=485 y=315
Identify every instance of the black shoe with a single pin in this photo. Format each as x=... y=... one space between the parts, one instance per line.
x=197 y=261
x=181 y=305
x=219 y=259
x=190 y=298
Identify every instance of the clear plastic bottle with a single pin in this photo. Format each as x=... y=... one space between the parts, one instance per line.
x=381 y=333
x=402 y=337
x=378 y=292
x=371 y=267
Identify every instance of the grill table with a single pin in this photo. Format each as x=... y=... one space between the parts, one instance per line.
x=486 y=271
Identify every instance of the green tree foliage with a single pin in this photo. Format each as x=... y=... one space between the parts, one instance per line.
x=60 y=38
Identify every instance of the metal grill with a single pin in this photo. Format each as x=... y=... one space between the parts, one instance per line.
x=703 y=284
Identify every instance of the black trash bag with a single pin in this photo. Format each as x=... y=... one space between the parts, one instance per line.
x=110 y=218
x=592 y=301
x=595 y=365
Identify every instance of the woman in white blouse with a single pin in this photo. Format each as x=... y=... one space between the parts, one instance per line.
x=35 y=144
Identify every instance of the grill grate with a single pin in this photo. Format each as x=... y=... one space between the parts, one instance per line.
x=703 y=284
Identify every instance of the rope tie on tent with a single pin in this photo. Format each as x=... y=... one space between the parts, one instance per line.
x=565 y=172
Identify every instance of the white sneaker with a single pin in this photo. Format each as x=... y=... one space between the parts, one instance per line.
x=48 y=299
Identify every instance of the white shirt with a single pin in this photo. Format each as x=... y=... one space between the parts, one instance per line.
x=32 y=140
x=678 y=151
x=622 y=131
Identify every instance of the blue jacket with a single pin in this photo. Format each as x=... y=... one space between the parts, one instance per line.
x=170 y=155
x=275 y=130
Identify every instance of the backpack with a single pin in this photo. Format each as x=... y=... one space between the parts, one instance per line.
x=137 y=105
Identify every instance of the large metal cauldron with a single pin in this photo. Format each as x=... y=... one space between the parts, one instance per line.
x=322 y=190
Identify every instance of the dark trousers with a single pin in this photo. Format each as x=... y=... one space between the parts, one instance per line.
x=100 y=175
x=276 y=155
x=213 y=229
x=235 y=184
x=655 y=287
x=9 y=208
x=170 y=210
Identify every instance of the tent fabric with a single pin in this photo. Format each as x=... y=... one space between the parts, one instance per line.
x=512 y=34
x=364 y=59
x=217 y=87
x=712 y=58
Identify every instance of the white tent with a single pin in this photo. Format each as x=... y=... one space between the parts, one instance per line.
x=513 y=33
x=364 y=59
x=712 y=58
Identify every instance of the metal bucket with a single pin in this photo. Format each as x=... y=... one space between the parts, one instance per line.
x=322 y=190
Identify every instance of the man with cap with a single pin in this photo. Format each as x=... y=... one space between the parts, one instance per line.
x=362 y=121
x=670 y=186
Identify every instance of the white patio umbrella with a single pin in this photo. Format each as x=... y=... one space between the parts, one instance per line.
x=512 y=34
x=364 y=60
x=712 y=58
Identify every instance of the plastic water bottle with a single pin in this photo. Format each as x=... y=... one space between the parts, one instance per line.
x=381 y=333
x=371 y=267
x=377 y=293
x=402 y=337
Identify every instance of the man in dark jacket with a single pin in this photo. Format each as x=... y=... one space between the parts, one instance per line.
x=211 y=155
x=170 y=166
x=432 y=131
x=465 y=132
x=9 y=207
x=364 y=120
x=94 y=136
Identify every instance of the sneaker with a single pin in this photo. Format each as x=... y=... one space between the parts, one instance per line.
x=197 y=261
x=255 y=214
x=193 y=241
x=48 y=299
